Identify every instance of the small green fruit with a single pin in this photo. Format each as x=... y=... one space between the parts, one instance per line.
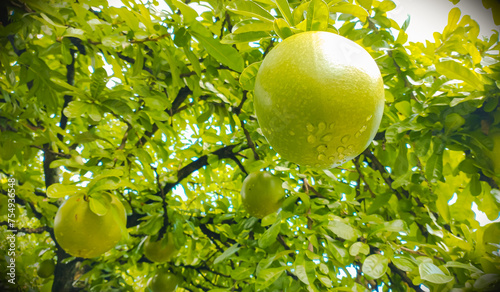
x=163 y=282
x=46 y=269
x=262 y=193
x=161 y=250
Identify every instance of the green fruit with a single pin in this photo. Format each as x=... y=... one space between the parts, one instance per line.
x=319 y=99
x=46 y=269
x=262 y=193
x=163 y=282
x=82 y=233
x=161 y=250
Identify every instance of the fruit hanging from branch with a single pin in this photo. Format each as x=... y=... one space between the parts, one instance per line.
x=163 y=281
x=83 y=233
x=319 y=99
x=160 y=250
x=262 y=193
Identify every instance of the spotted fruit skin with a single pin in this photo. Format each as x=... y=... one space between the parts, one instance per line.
x=82 y=233
x=160 y=251
x=319 y=99
x=262 y=193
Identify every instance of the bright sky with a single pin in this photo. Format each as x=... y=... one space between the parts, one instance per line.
x=428 y=16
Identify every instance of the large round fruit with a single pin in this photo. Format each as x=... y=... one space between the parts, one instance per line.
x=163 y=282
x=46 y=269
x=161 y=250
x=82 y=233
x=319 y=99
x=262 y=193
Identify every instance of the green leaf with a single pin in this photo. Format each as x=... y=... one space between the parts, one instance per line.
x=453 y=122
x=248 y=25
x=245 y=37
x=247 y=77
x=475 y=185
x=470 y=267
x=267 y=276
x=300 y=270
x=359 y=247
x=94 y=113
x=99 y=204
x=430 y=272
x=282 y=28
x=284 y=8
x=270 y=235
x=454 y=70
x=223 y=53
x=404 y=264
x=367 y=4
x=339 y=252
x=60 y=190
x=227 y=253
x=434 y=167
x=99 y=80
x=351 y=9
x=251 y=9
x=487 y=282
x=375 y=265
x=76 y=109
x=114 y=41
x=344 y=231
x=317 y=15
x=241 y=273
x=117 y=173
x=386 y=5
x=187 y=11
x=401 y=165
x=139 y=61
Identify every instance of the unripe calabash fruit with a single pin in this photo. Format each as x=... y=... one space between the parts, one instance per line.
x=163 y=281
x=262 y=193
x=319 y=99
x=46 y=269
x=82 y=233
x=160 y=250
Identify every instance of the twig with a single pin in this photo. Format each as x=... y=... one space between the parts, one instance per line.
x=238 y=162
x=249 y=141
x=415 y=252
x=362 y=176
x=308 y=187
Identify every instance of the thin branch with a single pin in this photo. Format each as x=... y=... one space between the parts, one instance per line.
x=225 y=152
x=237 y=110
x=415 y=252
x=362 y=176
x=238 y=162
x=249 y=141
x=377 y=165
x=62 y=155
x=308 y=187
x=404 y=277
x=27 y=230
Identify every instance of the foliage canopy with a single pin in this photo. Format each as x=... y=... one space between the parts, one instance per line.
x=156 y=108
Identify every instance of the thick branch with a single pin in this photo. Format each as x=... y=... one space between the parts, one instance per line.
x=70 y=79
x=225 y=152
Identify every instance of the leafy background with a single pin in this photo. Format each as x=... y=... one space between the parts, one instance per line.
x=171 y=131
